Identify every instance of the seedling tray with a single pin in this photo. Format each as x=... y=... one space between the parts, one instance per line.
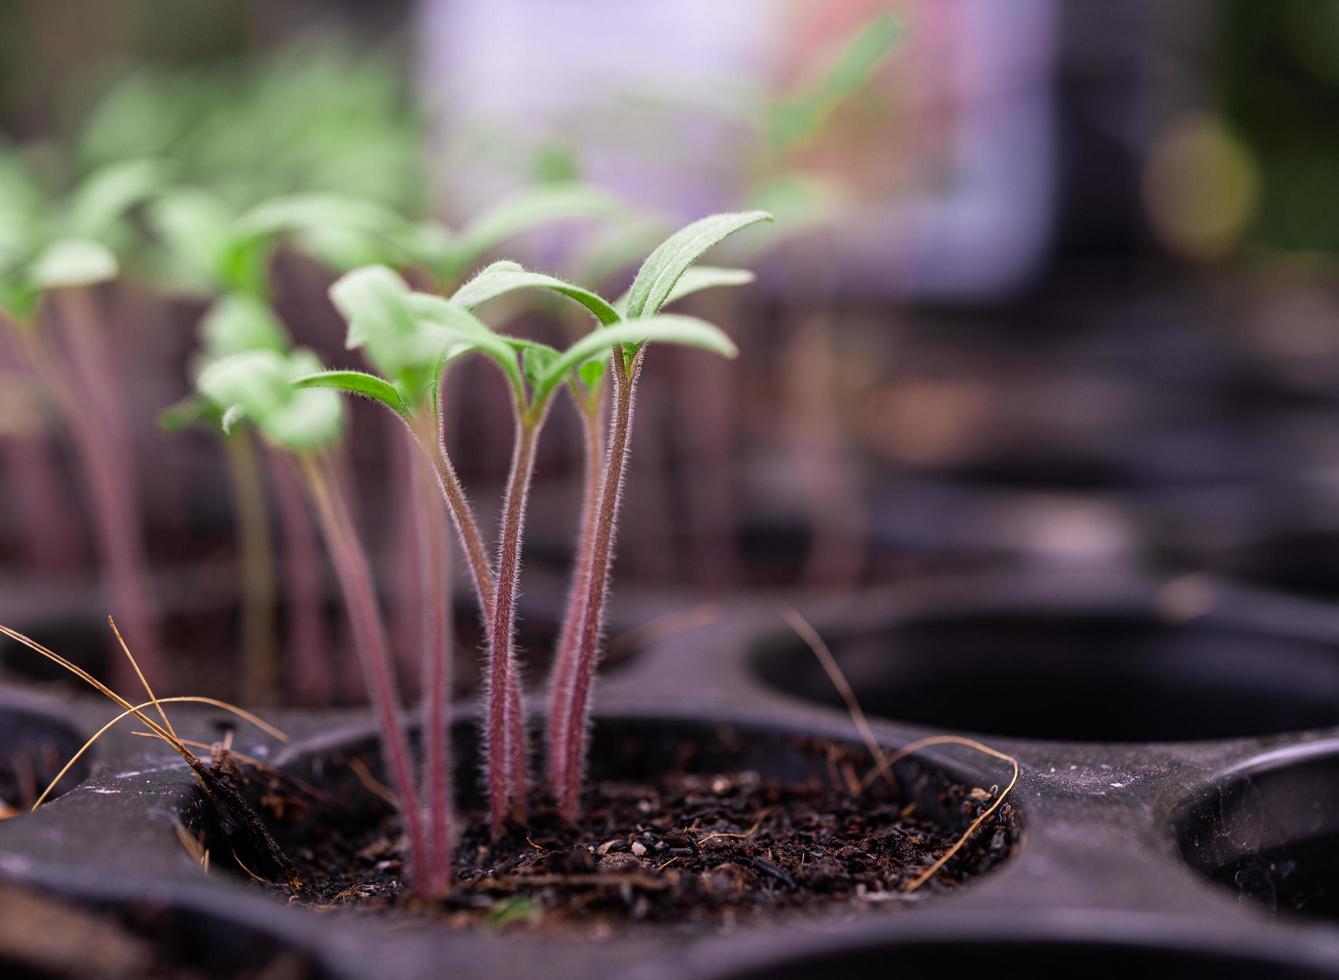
x=1176 y=811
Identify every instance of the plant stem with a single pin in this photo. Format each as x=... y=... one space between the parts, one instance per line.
x=505 y=734
x=435 y=598
x=116 y=521
x=355 y=578
x=564 y=662
x=597 y=584
x=312 y=674
x=259 y=669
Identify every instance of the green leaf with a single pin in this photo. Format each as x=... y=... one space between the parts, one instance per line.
x=592 y=372
x=505 y=277
x=258 y=386
x=72 y=262
x=196 y=229
x=191 y=410
x=663 y=268
x=536 y=363
x=525 y=212
x=374 y=301
x=801 y=116
x=357 y=383
x=240 y=322
x=108 y=194
x=699 y=278
x=316 y=211
x=465 y=332
x=665 y=328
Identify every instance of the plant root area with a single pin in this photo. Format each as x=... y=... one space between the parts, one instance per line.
x=703 y=851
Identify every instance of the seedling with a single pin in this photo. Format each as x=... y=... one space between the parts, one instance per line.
x=411 y=338
x=663 y=277
x=256 y=388
x=54 y=250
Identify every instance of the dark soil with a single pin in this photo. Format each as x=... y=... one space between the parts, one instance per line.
x=700 y=850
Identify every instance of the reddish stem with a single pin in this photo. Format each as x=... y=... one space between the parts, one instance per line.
x=564 y=663
x=355 y=579
x=435 y=603
x=312 y=677
x=116 y=521
x=505 y=726
x=597 y=585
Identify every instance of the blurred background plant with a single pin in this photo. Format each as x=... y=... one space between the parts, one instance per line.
x=1050 y=284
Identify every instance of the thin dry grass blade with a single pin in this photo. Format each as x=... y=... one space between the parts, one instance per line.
x=242 y=713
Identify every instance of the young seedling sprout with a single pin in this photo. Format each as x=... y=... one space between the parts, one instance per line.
x=256 y=387
x=411 y=338
x=55 y=251
x=662 y=278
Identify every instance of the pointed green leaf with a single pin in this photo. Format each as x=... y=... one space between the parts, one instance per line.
x=536 y=363
x=106 y=195
x=72 y=262
x=800 y=116
x=666 y=328
x=191 y=410
x=463 y=327
x=696 y=279
x=505 y=277
x=357 y=383
x=666 y=265
x=592 y=372
x=525 y=212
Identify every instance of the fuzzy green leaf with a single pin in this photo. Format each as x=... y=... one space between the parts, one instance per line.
x=661 y=271
x=505 y=277
x=464 y=329
x=696 y=279
x=536 y=363
x=258 y=386
x=665 y=328
x=375 y=302
x=72 y=262
x=357 y=383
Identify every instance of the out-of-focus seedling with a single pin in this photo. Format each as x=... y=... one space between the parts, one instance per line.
x=52 y=251
x=256 y=388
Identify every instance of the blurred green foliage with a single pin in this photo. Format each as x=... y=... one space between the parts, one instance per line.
x=1276 y=73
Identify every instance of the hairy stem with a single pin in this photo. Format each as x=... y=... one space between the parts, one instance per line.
x=564 y=662
x=505 y=724
x=435 y=599
x=259 y=669
x=355 y=579
x=597 y=583
x=312 y=677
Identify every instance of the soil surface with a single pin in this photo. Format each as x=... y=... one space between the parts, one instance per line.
x=702 y=851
